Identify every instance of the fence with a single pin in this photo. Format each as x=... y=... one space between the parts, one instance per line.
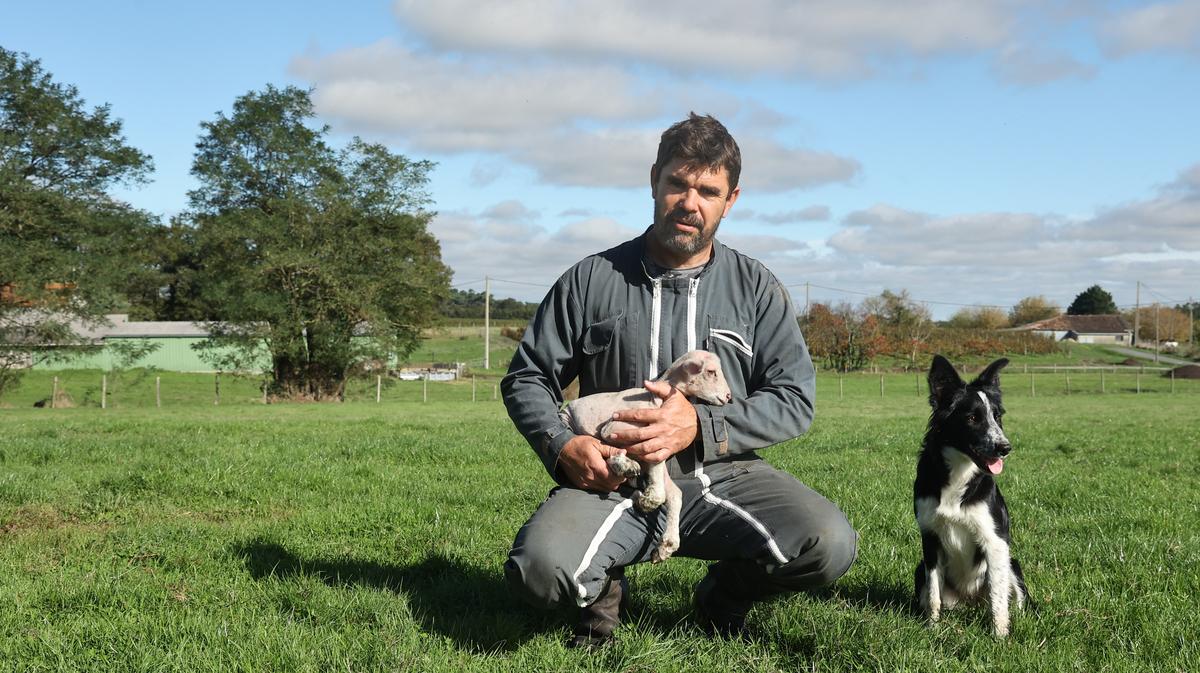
x=90 y=388
x=1029 y=381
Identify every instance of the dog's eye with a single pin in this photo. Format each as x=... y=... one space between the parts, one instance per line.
x=972 y=419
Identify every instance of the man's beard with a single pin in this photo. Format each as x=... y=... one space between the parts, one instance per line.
x=682 y=243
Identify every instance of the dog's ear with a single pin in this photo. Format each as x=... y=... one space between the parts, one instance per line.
x=944 y=381
x=990 y=377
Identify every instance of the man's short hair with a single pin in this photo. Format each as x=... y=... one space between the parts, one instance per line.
x=700 y=142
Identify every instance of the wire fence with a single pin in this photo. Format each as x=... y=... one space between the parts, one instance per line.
x=82 y=388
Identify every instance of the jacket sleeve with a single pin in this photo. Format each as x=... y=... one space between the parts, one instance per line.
x=782 y=386
x=545 y=362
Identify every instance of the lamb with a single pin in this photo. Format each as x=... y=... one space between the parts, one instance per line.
x=697 y=375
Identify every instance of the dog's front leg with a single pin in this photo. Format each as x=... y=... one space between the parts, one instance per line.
x=931 y=594
x=670 y=540
x=999 y=577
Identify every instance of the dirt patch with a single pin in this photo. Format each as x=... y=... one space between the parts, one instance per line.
x=1130 y=362
x=1184 y=372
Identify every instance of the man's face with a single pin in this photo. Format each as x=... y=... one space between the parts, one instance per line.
x=688 y=207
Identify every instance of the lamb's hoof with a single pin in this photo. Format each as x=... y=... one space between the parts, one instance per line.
x=648 y=502
x=624 y=467
x=664 y=551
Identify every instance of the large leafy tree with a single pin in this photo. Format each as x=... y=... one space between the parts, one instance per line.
x=67 y=247
x=1032 y=309
x=1093 y=301
x=314 y=259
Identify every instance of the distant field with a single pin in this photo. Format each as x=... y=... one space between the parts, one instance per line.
x=368 y=537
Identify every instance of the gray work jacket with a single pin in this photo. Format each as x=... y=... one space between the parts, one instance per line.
x=607 y=322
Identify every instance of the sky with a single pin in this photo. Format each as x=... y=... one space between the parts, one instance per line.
x=970 y=153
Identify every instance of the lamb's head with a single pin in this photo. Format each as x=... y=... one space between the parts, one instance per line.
x=698 y=375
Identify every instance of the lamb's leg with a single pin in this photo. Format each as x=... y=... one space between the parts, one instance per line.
x=670 y=540
x=624 y=466
x=656 y=488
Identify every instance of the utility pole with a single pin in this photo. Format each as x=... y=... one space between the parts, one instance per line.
x=1156 y=341
x=1191 y=321
x=806 y=304
x=1137 y=313
x=487 y=322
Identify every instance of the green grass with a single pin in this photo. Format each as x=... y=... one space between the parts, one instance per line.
x=370 y=537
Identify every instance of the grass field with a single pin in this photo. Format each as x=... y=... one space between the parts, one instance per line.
x=364 y=537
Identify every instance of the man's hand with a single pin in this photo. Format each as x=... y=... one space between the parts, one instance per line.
x=582 y=461
x=665 y=431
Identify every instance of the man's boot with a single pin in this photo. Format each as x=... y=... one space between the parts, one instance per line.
x=726 y=594
x=598 y=620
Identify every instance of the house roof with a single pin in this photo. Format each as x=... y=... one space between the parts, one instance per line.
x=122 y=327
x=1081 y=324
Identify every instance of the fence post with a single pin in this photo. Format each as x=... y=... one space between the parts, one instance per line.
x=378 y=387
x=1102 y=390
x=1172 y=381
x=1032 y=386
x=54 y=393
x=216 y=389
x=472 y=387
x=104 y=391
x=881 y=385
x=425 y=388
x=158 y=392
x=495 y=391
x=841 y=390
x=1068 y=384
x=1138 y=376
x=918 y=378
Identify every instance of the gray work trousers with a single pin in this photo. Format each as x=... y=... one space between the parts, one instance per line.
x=781 y=535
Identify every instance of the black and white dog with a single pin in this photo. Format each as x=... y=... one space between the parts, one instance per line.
x=959 y=509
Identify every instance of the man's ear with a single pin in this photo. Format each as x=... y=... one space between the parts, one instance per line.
x=733 y=196
x=654 y=181
x=944 y=381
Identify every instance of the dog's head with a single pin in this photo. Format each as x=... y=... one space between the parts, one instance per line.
x=967 y=416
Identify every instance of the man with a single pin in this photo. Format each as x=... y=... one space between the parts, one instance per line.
x=614 y=321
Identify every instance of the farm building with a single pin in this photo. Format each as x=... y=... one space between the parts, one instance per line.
x=173 y=341
x=1086 y=329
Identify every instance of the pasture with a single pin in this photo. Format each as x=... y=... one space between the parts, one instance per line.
x=370 y=537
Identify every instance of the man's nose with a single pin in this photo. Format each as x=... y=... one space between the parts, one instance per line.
x=691 y=200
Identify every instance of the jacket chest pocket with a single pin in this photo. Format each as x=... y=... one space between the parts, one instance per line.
x=733 y=341
x=610 y=355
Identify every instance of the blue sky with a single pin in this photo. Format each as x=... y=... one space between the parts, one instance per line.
x=969 y=152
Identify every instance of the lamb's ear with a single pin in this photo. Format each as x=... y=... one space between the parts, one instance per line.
x=944 y=381
x=990 y=377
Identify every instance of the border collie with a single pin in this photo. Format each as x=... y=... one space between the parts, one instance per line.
x=960 y=512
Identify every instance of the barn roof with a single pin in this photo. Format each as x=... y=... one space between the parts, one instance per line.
x=1081 y=324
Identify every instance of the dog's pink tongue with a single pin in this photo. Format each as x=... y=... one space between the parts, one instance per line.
x=995 y=466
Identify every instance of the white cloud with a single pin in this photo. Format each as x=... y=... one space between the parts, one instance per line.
x=809 y=214
x=580 y=125
x=514 y=248
x=1031 y=66
x=1173 y=26
x=825 y=38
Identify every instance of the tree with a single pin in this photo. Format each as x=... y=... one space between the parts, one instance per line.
x=906 y=323
x=1093 y=301
x=1165 y=324
x=311 y=257
x=1032 y=309
x=66 y=244
x=843 y=338
x=978 y=317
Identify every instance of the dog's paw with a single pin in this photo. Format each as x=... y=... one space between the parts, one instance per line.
x=623 y=466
